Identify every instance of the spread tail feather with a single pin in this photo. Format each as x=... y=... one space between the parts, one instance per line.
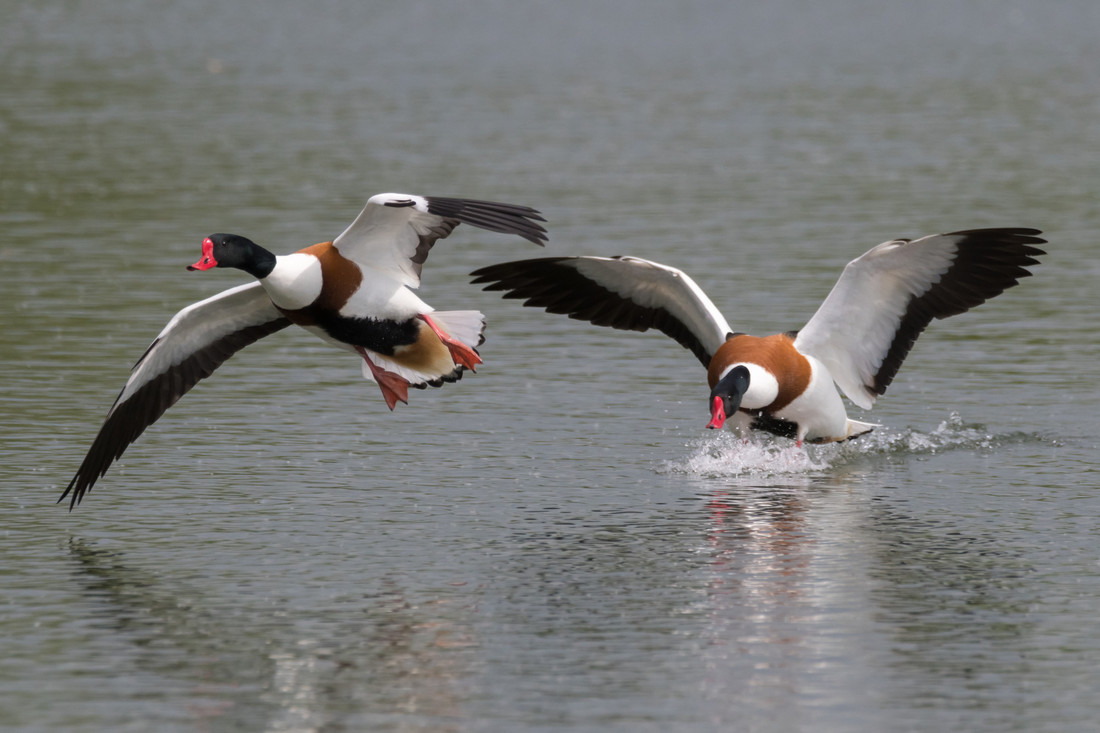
x=465 y=326
x=857 y=428
x=414 y=377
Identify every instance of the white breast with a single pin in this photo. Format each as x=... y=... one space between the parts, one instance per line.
x=819 y=411
x=295 y=282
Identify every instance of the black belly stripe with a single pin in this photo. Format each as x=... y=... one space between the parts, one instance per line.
x=761 y=420
x=380 y=335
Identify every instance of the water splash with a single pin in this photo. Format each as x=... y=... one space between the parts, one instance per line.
x=762 y=455
x=757 y=456
x=952 y=433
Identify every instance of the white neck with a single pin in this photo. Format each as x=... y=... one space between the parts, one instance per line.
x=763 y=387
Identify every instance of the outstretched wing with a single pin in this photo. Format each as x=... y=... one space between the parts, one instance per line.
x=622 y=292
x=886 y=297
x=394 y=232
x=195 y=342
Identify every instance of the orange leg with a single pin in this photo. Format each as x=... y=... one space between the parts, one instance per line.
x=460 y=353
x=394 y=387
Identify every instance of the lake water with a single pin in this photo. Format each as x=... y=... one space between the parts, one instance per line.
x=554 y=543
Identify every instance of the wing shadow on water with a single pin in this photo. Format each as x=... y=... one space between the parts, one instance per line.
x=174 y=637
x=810 y=575
x=359 y=663
x=707 y=606
x=761 y=595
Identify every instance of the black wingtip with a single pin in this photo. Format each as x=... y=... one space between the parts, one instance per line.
x=495 y=275
x=555 y=285
x=493 y=216
x=77 y=495
x=987 y=262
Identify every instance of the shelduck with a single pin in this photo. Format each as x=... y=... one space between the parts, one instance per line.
x=355 y=292
x=786 y=384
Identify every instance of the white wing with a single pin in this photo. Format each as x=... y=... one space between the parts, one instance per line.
x=886 y=297
x=394 y=232
x=195 y=342
x=622 y=292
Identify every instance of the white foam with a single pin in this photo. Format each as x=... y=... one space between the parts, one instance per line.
x=763 y=455
x=757 y=456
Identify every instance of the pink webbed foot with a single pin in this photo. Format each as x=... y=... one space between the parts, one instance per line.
x=394 y=387
x=461 y=354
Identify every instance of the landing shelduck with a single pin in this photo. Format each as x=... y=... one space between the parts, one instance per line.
x=787 y=383
x=355 y=292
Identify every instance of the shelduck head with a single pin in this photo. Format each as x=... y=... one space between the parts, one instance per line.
x=725 y=398
x=233 y=250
